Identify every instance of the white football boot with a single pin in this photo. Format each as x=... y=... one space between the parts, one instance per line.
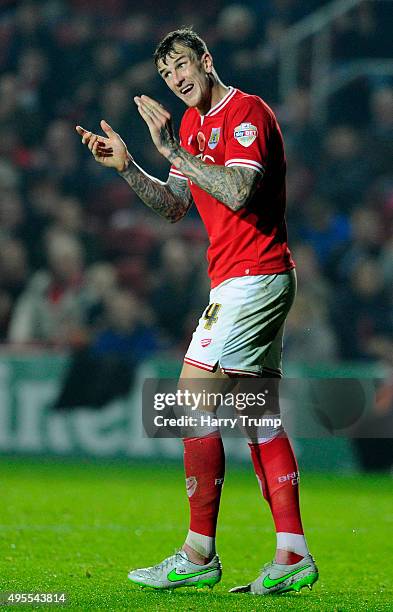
x=276 y=578
x=177 y=571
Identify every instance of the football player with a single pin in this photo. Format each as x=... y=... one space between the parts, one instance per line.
x=229 y=161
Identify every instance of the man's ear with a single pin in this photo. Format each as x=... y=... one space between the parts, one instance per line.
x=207 y=62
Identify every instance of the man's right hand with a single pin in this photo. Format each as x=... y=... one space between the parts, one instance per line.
x=110 y=151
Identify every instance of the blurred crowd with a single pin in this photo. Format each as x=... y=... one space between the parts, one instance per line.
x=84 y=264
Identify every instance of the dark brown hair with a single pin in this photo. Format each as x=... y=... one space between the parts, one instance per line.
x=185 y=37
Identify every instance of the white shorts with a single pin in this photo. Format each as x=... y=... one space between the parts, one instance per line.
x=242 y=328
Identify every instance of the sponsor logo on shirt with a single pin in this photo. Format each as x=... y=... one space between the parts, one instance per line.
x=245 y=134
x=206 y=341
x=214 y=138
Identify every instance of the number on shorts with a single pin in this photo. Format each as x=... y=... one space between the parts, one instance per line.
x=211 y=315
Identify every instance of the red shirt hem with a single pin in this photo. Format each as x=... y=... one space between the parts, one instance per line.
x=254 y=271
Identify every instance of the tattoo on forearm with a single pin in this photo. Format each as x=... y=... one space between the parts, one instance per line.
x=170 y=200
x=232 y=186
x=167 y=136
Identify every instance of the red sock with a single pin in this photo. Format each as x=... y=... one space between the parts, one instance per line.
x=277 y=471
x=256 y=461
x=204 y=464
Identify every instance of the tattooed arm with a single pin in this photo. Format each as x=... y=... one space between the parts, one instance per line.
x=170 y=200
x=232 y=186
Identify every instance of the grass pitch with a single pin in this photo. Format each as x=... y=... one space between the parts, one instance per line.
x=78 y=528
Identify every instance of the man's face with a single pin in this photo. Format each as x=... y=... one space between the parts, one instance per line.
x=187 y=76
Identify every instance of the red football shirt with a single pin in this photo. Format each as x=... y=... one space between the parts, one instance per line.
x=241 y=130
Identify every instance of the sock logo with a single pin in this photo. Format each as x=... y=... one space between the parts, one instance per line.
x=219 y=481
x=191 y=485
x=293 y=477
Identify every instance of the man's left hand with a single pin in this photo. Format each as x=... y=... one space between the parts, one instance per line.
x=159 y=122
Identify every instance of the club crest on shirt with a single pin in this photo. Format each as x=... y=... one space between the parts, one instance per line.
x=201 y=141
x=245 y=134
x=214 y=138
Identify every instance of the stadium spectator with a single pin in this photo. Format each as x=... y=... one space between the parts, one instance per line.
x=14 y=269
x=101 y=284
x=309 y=337
x=12 y=214
x=61 y=155
x=370 y=307
x=323 y=228
x=127 y=331
x=103 y=370
x=172 y=296
x=236 y=35
x=13 y=278
x=343 y=175
x=310 y=278
x=380 y=131
x=303 y=137
x=51 y=309
x=69 y=218
x=5 y=314
x=365 y=241
x=356 y=34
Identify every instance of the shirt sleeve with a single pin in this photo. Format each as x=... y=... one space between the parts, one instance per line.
x=247 y=135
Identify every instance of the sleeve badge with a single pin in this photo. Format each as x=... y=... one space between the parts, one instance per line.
x=245 y=134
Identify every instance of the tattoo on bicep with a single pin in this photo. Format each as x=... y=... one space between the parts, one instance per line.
x=170 y=200
x=232 y=186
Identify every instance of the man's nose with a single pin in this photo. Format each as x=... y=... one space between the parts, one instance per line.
x=177 y=78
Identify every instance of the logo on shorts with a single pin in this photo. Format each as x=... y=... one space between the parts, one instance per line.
x=214 y=138
x=245 y=134
x=205 y=341
x=191 y=485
